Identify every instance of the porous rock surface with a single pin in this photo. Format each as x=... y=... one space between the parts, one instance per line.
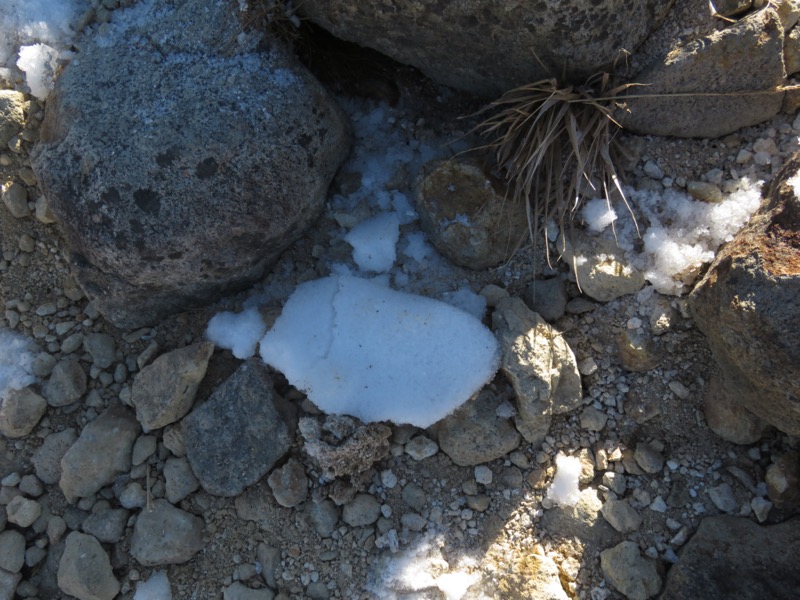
x=186 y=177
x=747 y=307
x=488 y=47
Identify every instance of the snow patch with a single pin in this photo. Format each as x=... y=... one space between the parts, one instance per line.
x=239 y=333
x=374 y=242
x=359 y=348
x=564 y=490
x=16 y=356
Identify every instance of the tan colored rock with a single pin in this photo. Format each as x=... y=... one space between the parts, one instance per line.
x=468 y=215
x=600 y=268
x=20 y=411
x=164 y=391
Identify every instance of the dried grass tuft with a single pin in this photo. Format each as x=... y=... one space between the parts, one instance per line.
x=554 y=145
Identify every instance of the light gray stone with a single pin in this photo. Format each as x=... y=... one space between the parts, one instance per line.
x=324 y=516
x=222 y=161
x=629 y=572
x=363 y=510
x=101 y=347
x=600 y=267
x=12 y=551
x=47 y=458
x=474 y=434
x=166 y=535
x=12 y=115
x=101 y=452
x=15 y=197
x=8 y=584
x=108 y=526
x=66 y=384
x=540 y=365
x=593 y=419
x=648 y=457
x=143 y=448
x=421 y=447
x=85 y=569
x=20 y=411
x=23 y=511
x=621 y=515
x=238 y=435
x=722 y=497
x=180 y=479
x=163 y=392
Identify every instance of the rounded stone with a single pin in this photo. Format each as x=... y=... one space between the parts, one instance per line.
x=363 y=510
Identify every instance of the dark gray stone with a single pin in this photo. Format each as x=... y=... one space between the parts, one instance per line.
x=207 y=159
x=731 y=557
x=548 y=297
x=166 y=535
x=237 y=436
x=47 y=458
x=487 y=47
x=107 y=526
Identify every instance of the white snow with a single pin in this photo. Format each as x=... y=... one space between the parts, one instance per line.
x=155 y=588
x=34 y=34
x=681 y=235
x=468 y=301
x=564 y=489
x=374 y=242
x=239 y=333
x=359 y=348
x=422 y=567
x=16 y=357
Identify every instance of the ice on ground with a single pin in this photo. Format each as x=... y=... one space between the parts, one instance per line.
x=239 y=333
x=34 y=34
x=359 y=348
x=16 y=356
x=564 y=490
x=374 y=242
x=682 y=234
x=422 y=567
x=155 y=588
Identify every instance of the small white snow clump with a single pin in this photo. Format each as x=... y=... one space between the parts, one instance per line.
x=598 y=214
x=564 y=490
x=155 y=588
x=374 y=242
x=239 y=333
x=15 y=362
x=359 y=348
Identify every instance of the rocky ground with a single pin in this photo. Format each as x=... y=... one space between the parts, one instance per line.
x=414 y=519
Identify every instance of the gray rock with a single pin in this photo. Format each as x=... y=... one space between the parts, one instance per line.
x=722 y=497
x=12 y=115
x=143 y=448
x=324 y=516
x=648 y=457
x=729 y=419
x=637 y=351
x=23 y=511
x=486 y=47
x=43 y=364
x=621 y=515
x=133 y=496
x=593 y=419
x=15 y=197
x=630 y=573
x=47 y=458
x=85 y=569
x=215 y=158
x=474 y=434
x=540 y=365
x=414 y=496
x=733 y=557
x=270 y=559
x=101 y=452
x=102 y=349
x=12 y=551
x=413 y=522
x=548 y=297
x=753 y=341
x=239 y=591
x=179 y=478
x=8 y=584
x=747 y=56
x=108 y=526
x=289 y=483
x=20 y=411
x=31 y=486
x=465 y=217
x=66 y=384
x=164 y=391
x=363 y=510
x=783 y=481
x=600 y=267
x=421 y=447
x=582 y=520
x=238 y=435
x=166 y=535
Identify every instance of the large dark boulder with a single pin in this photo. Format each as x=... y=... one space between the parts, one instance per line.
x=487 y=47
x=180 y=159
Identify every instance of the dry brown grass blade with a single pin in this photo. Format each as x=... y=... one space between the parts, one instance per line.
x=554 y=145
